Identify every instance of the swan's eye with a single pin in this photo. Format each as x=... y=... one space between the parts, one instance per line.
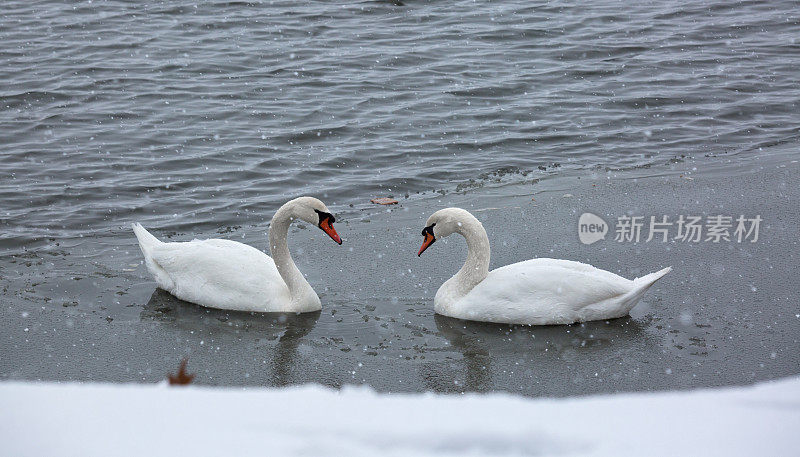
x=428 y=230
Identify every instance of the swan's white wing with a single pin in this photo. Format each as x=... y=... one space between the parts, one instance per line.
x=222 y=274
x=541 y=291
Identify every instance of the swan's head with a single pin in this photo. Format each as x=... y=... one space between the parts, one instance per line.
x=315 y=212
x=444 y=223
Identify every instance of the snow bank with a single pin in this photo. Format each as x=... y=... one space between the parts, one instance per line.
x=155 y=420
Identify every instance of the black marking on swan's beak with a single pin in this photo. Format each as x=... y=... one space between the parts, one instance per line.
x=427 y=232
x=326 y=221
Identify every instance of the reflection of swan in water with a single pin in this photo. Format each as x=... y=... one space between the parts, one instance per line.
x=287 y=328
x=477 y=359
x=490 y=350
x=297 y=326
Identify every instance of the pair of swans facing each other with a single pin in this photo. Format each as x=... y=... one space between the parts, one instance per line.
x=229 y=275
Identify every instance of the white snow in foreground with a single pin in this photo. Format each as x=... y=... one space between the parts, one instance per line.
x=41 y=419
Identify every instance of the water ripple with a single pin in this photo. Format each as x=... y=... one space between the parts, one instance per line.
x=183 y=113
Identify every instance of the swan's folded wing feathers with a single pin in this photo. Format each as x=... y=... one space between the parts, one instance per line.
x=222 y=269
x=548 y=285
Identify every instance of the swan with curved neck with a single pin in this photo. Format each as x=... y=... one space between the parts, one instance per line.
x=226 y=274
x=533 y=292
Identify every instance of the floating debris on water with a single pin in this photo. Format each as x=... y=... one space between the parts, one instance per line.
x=384 y=201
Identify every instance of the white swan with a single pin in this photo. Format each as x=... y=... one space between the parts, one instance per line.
x=533 y=292
x=229 y=275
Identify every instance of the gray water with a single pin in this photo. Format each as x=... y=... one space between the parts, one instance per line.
x=200 y=118
x=197 y=115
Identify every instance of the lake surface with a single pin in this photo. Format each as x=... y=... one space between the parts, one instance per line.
x=187 y=115
x=201 y=118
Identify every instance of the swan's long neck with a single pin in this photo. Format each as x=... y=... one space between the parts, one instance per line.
x=476 y=267
x=299 y=288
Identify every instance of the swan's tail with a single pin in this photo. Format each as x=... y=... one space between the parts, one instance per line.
x=640 y=286
x=146 y=240
x=148 y=243
x=647 y=280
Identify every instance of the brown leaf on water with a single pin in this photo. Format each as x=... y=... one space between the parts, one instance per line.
x=384 y=201
x=182 y=378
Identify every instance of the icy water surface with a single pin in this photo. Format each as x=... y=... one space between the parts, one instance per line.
x=88 y=309
x=208 y=114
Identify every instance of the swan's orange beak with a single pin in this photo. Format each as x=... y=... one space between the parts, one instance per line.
x=429 y=239
x=327 y=227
